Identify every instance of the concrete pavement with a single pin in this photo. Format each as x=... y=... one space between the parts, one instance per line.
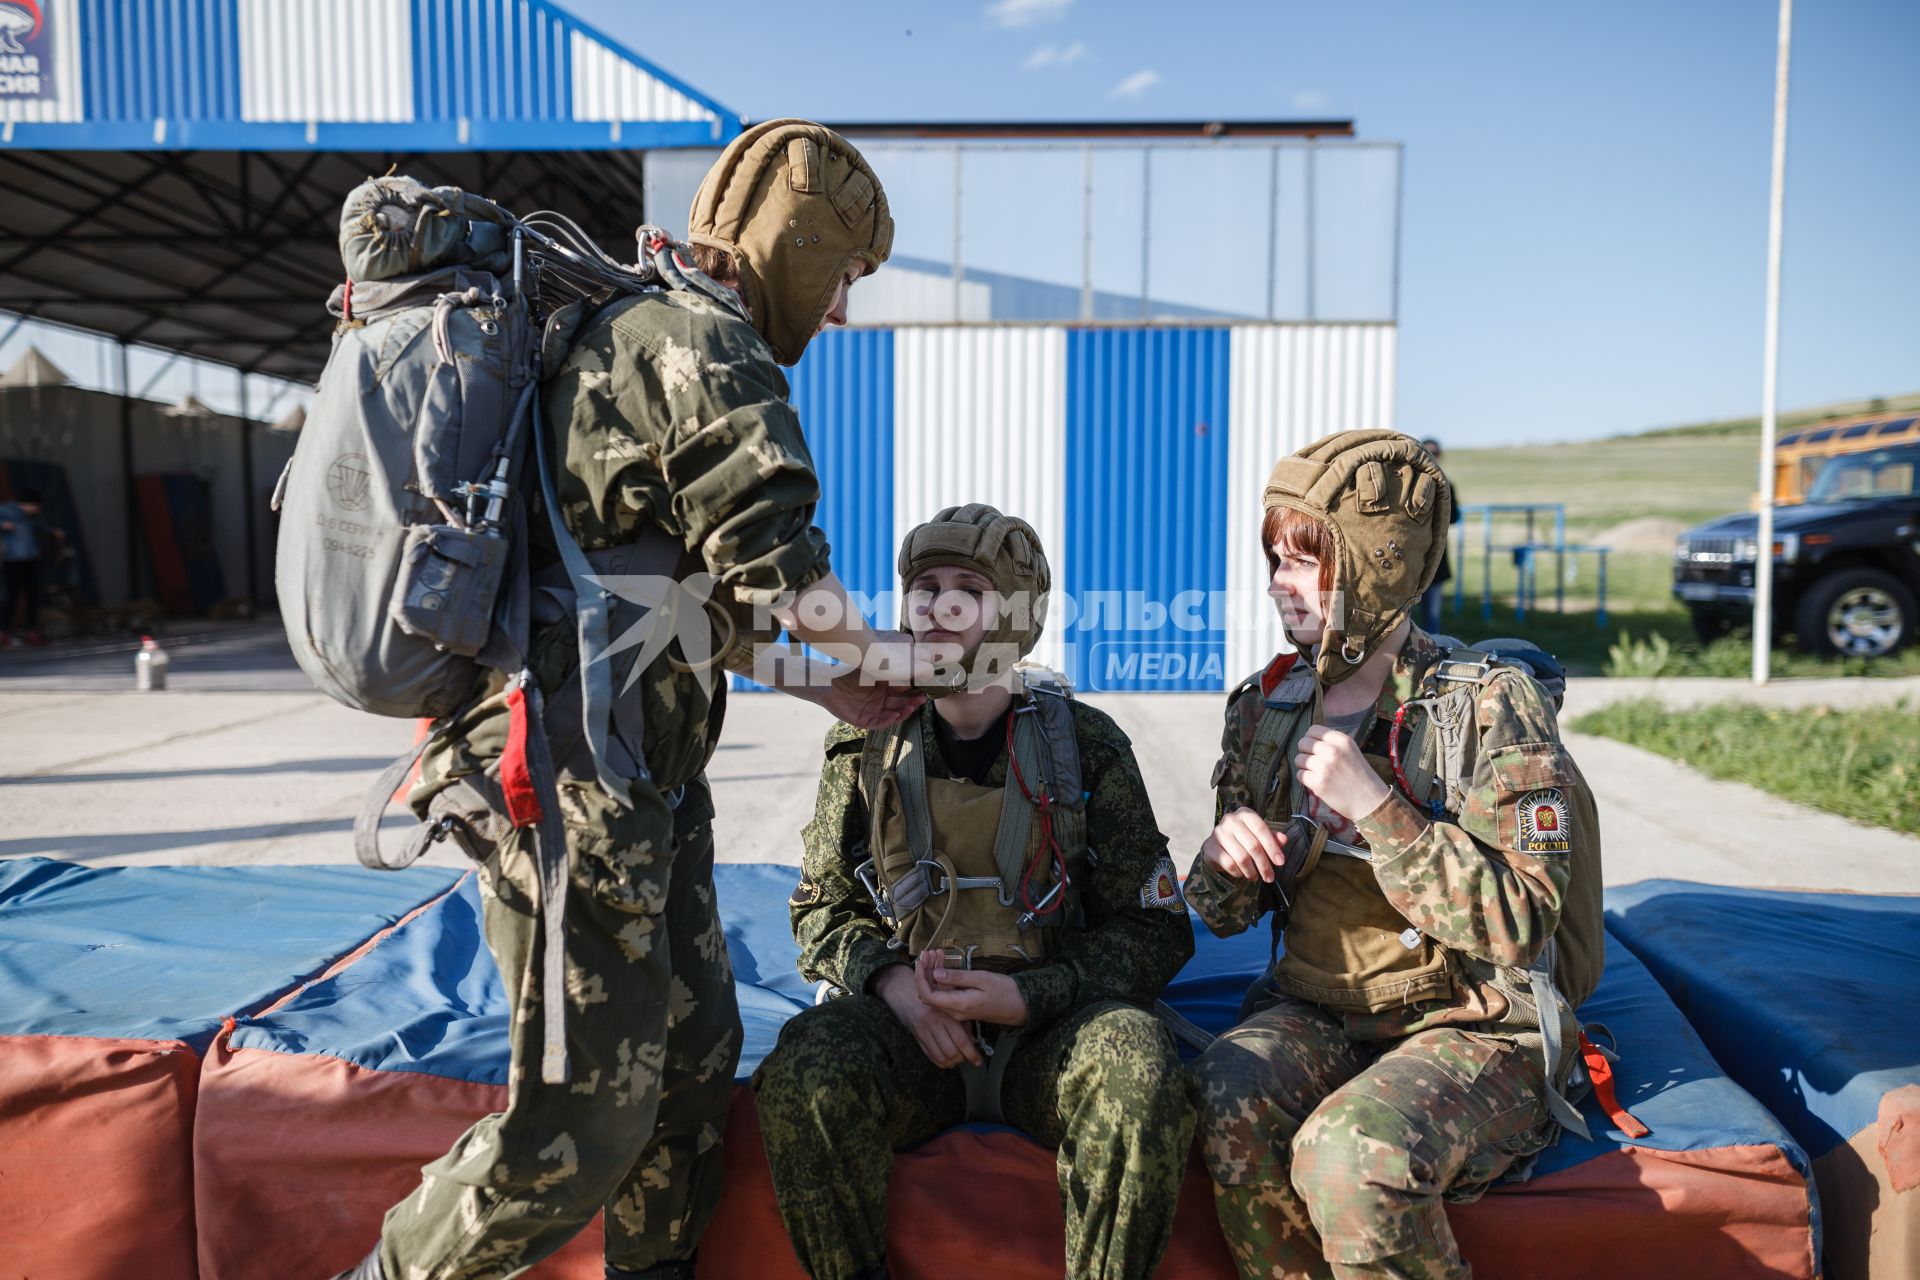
x=239 y=761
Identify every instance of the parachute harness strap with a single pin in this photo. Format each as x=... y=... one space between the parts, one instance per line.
x=1050 y=854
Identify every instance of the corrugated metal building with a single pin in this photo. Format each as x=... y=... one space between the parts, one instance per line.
x=1138 y=454
x=179 y=163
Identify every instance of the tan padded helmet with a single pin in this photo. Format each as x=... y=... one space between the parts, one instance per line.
x=1387 y=505
x=795 y=204
x=1006 y=551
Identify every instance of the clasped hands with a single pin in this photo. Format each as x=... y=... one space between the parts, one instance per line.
x=935 y=1003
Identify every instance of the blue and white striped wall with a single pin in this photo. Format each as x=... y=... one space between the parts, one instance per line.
x=349 y=74
x=1139 y=455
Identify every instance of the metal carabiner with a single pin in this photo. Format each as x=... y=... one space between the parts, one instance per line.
x=865 y=874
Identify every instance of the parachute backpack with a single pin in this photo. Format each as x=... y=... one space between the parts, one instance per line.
x=402 y=565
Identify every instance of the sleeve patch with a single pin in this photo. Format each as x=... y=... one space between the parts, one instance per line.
x=805 y=894
x=1162 y=888
x=1543 y=825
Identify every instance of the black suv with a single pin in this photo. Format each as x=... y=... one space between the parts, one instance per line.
x=1846 y=562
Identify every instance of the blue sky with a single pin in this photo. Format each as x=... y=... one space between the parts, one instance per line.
x=1586 y=185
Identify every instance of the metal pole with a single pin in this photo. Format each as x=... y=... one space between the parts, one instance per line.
x=1273 y=228
x=1086 y=233
x=1559 y=558
x=246 y=491
x=1313 y=149
x=1486 y=565
x=1763 y=545
x=1146 y=229
x=130 y=505
x=1526 y=567
x=1399 y=216
x=1601 y=619
x=959 y=270
x=1460 y=568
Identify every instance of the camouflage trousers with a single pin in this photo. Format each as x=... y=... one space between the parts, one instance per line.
x=1331 y=1157
x=653 y=1034
x=848 y=1085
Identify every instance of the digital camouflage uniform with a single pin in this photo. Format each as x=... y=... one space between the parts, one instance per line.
x=1333 y=1136
x=1094 y=1073
x=669 y=411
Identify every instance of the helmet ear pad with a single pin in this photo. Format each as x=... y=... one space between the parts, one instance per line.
x=797 y=207
x=1387 y=506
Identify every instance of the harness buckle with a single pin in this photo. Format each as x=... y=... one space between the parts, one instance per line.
x=1461 y=671
x=935 y=887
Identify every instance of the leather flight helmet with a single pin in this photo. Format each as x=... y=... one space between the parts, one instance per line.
x=1006 y=551
x=795 y=204
x=1387 y=505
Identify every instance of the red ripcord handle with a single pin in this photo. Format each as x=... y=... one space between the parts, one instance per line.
x=516 y=777
x=1600 y=1071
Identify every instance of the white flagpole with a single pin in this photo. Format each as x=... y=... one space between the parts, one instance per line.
x=1763 y=543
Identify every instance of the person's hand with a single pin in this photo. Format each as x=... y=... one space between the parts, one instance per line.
x=1242 y=845
x=944 y=1039
x=897 y=658
x=975 y=994
x=1330 y=765
x=854 y=698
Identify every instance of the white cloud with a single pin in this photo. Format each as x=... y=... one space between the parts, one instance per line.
x=1048 y=55
x=1312 y=100
x=1024 y=13
x=1135 y=85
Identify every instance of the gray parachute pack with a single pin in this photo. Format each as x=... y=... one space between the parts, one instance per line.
x=402 y=560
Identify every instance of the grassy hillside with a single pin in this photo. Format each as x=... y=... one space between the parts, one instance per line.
x=1603 y=483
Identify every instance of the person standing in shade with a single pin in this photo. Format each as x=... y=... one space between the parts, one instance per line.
x=24 y=537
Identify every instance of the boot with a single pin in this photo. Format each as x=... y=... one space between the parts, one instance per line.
x=369 y=1268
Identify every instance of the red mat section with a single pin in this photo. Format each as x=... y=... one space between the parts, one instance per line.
x=105 y=1124
x=299 y=1155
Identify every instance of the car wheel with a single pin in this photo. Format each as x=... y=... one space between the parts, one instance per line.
x=1710 y=625
x=1857 y=613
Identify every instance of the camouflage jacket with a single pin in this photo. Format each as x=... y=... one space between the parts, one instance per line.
x=1462 y=879
x=1128 y=951
x=668 y=411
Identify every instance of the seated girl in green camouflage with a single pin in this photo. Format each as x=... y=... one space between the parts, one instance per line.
x=986 y=889
x=1429 y=855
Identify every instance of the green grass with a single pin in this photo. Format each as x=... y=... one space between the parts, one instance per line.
x=1588 y=650
x=1860 y=764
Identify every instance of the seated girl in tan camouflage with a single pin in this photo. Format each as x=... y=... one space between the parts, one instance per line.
x=1430 y=858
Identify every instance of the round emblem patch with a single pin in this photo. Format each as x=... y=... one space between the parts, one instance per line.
x=350 y=481
x=1162 y=888
x=1543 y=822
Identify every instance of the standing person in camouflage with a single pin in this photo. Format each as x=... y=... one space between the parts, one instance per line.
x=950 y=1005
x=676 y=453
x=1429 y=852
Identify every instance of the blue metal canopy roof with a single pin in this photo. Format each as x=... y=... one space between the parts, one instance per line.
x=334 y=75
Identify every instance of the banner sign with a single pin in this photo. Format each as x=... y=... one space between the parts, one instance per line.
x=26 y=51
